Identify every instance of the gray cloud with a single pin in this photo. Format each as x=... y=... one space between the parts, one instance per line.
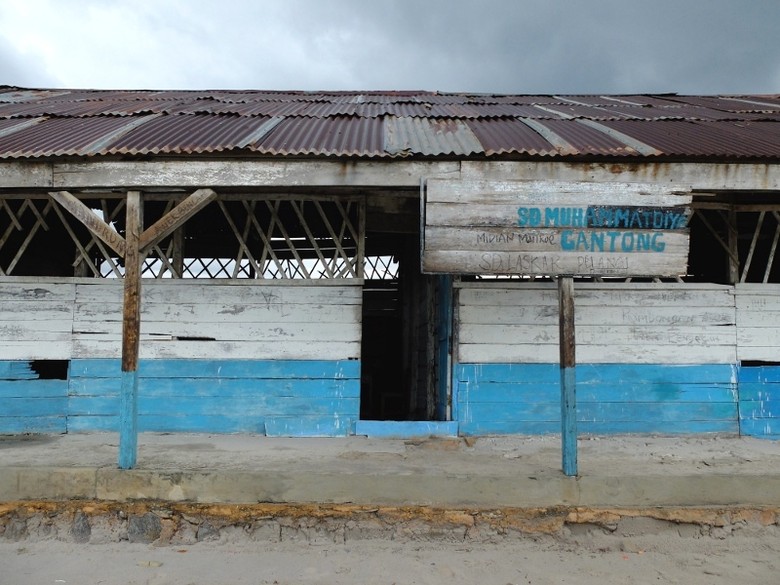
x=517 y=46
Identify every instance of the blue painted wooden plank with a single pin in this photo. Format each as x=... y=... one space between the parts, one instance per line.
x=17 y=370
x=530 y=373
x=658 y=373
x=478 y=428
x=760 y=409
x=95 y=368
x=93 y=423
x=759 y=374
x=385 y=429
x=489 y=427
x=170 y=424
x=33 y=388
x=598 y=373
x=659 y=427
x=222 y=388
x=602 y=412
x=34 y=407
x=245 y=405
x=309 y=426
x=15 y=425
x=202 y=423
x=283 y=369
x=759 y=391
x=173 y=368
x=756 y=427
x=770 y=374
x=637 y=392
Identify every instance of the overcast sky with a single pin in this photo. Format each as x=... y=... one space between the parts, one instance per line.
x=499 y=46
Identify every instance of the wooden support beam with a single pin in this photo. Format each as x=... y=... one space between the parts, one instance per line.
x=733 y=246
x=568 y=377
x=131 y=332
x=175 y=218
x=92 y=222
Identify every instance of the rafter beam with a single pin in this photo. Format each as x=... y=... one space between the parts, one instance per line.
x=99 y=228
x=175 y=218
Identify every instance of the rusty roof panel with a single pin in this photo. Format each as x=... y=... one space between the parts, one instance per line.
x=430 y=137
x=327 y=136
x=503 y=136
x=719 y=139
x=587 y=140
x=85 y=108
x=258 y=108
x=187 y=134
x=59 y=137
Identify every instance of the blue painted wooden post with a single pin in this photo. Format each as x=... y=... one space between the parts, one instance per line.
x=131 y=325
x=568 y=375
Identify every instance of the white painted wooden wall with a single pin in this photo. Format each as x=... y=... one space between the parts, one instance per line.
x=758 y=317
x=44 y=318
x=625 y=323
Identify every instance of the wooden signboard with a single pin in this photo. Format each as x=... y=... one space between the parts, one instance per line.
x=543 y=228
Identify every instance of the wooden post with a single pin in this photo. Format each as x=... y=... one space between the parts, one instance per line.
x=131 y=325
x=177 y=256
x=733 y=244
x=568 y=378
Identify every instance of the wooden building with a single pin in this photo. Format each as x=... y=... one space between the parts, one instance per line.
x=228 y=261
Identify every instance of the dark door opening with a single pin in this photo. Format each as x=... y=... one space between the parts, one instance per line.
x=400 y=374
x=384 y=394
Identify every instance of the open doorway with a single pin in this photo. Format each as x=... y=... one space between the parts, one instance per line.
x=400 y=377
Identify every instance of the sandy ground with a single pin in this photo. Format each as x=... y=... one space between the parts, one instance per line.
x=585 y=560
x=494 y=455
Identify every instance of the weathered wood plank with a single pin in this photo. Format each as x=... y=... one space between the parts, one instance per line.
x=225 y=331
x=613 y=295
x=507 y=334
x=13 y=312
x=540 y=192
x=638 y=316
x=217 y=313
x=270 y=350
x=254 y=292
x=36 y=350
x=243 y=173
x=699 y=176
x=132 y=174
x=490 y=239
x=21 y=290
x=600 y=264
x=20 y=175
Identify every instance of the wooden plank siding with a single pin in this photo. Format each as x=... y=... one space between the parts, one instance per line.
x=280 y=397
x=280 y=358
x=221 y=320
x=30 y=405
x=616 y=323
x=758 y=344
x=651 y=358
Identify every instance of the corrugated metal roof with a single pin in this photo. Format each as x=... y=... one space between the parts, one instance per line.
x=61 y=122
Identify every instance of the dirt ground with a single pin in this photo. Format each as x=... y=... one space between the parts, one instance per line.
x=584 y=558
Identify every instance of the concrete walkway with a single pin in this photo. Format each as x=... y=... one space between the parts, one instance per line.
x=442 y=472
